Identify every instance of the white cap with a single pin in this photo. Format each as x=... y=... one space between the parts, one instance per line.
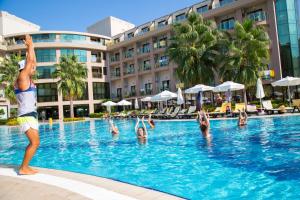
x=21 y=64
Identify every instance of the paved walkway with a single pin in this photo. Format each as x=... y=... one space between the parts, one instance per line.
x=54 y=184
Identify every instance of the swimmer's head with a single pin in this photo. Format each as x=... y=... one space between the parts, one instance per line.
x=141 y=131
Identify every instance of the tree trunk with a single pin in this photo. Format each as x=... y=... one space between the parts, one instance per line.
x=217 y=78
x=71 y=108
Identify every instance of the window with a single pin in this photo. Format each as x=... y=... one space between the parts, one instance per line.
x=145 y=29
x=97 y=72
x=44 y=72
x=132 y=90
x=224 y=2
x=146 y=65
x=71 y=37
x=146 y=48
x=162 y=24
x=46 y=92
x=118 y=72
x=148 y=88
x=100 y=91
x=104 y=71
x=257 y=15
x=117 y=40
x=81 y=54
x=165 y=85
x=202 y=9
x=130 y=35
x=45 y=55
x=129 y=53
x=96 y=57
x=43 y=37
x=119 y=92
x=180 y=17
x=163 y=61
x=227 y=24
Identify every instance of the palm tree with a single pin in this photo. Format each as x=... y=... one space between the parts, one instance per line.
x=194 y=48
x=9 y=70
x=247 y=53
x=72 y=78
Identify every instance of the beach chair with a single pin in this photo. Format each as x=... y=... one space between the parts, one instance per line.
x=174 y=113
x=296 y=105
x=190 y=113
x=220 y=111
x=267 y=105
x=238 y=107
x=164 y=115
x=163 y=111
x=252 y=109
x=183 y=111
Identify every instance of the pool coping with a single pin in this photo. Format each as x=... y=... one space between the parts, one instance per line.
x=117 y=189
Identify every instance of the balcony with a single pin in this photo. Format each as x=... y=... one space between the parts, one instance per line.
x=129 y=70
x=115 y=75
x=258 y=16
x=160 y=45
x=223 y=3
x=144 y=50
x=162 y=63
x=96 y=59
x=145 y=67
x=114 y=58
x=128 y=54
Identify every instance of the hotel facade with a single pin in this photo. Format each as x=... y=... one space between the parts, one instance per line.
x=130 y=62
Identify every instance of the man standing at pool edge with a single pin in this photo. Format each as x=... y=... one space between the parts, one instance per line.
x=25 y=91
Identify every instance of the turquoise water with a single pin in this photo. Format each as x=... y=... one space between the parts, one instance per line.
x=260 y=161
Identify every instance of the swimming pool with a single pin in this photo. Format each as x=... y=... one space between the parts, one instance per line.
x=259 y=161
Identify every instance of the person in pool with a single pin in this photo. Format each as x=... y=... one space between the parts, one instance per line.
x=25 y=91
x=141 y=132
x=114 y=129
x=204 y=124
x=243 y=118
x=151 y=122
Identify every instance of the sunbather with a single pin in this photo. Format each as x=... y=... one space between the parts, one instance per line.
x=114 y=129
x=243 y=117
x=141 y=132
x=203 y=120
x=151 y=122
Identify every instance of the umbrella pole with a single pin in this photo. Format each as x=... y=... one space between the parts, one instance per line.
x=289 y=94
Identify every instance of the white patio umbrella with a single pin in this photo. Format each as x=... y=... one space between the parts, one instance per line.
x=259 y=91
x=287 y=82
x=146 y=99
x=198 y=88
x=229 y=86
x=124 y=103
x=108 y=105
x=180 y=99
x=136 y=104
x=164 y=96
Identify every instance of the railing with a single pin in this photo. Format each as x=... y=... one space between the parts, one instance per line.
x=144 y=50
x=129 y=70
x=115 y=74
x=258 y=16
x=160 y=44
x=132 y=94
x=114 y=59
x=96 y=59
x=223 y=3
x=145 y=67
x=21 y=42
x=161 y=63
x=148 y=91
x=128 y=54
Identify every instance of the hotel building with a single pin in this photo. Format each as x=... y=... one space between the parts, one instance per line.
x=130 y=62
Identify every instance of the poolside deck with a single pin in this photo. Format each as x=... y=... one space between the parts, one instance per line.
x=54 y=184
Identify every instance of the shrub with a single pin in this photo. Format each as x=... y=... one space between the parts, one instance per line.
x=73 y=119
x=9 y=122
x=96 y=115
x=3 y=121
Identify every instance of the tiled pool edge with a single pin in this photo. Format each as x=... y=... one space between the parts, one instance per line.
x=111 y=187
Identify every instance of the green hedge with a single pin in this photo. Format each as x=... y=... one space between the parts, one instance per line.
x=96 y=115
x=74 y=119
x=9 y=122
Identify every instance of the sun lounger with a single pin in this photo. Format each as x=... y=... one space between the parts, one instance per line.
x=163 y=111
x=183 y=111
x=252 y=109
x=269 y=107
x=238 y=107
x=174 y=113
x=296 y=105
x=220 y=111
x=190 y=113
x=164 y=115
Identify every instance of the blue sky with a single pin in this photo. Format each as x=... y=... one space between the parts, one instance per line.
x=76 y=15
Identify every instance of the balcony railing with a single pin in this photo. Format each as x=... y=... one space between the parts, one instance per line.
x=160 y=44
x=223 y=3
x=128 y=54
x=145 y=67
x=143 y=50
x=132 y=94
x=129 y=70
x=114 y=59
x=258 y=16
x=148 y=91
x=115 y=74
x=162 y=63
x=95 y=59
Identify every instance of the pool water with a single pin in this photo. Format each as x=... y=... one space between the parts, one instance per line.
x=259 y=161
